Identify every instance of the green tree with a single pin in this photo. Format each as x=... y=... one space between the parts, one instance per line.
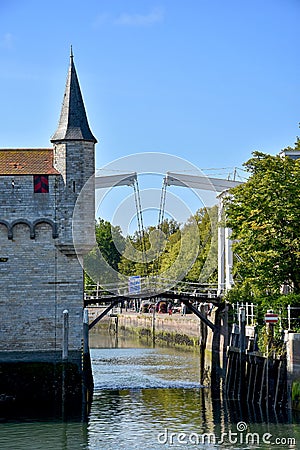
x=142 y=255
x=169 y=249
x=264 y=214
x=110 y=242
x=110 y=246
x=205 y=265
x=202 y=244
x=128 y=264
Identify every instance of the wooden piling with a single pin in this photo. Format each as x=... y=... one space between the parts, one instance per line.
x=65 y=348
x=87 y=379
x=65 y=355
x=242 y=348
x=85 y=331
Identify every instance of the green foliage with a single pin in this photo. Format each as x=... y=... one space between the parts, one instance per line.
x=110 y=242
x=296 y=391
x=264 y=214
x=279 y=302
x=143 y=255
x=166 y=251
x=205 y=265
x=240 y=293
x=169 y=249
x=110 y=245
x=271 y=342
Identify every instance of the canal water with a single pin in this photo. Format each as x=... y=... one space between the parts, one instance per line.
x=151 y=398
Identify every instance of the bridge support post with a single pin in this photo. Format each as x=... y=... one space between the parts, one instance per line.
x=225 y=255
x=242 y=354
x=228 y=259
x=153 y=326
x=221 y=247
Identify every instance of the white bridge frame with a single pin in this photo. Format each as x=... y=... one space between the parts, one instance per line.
x=218 y=185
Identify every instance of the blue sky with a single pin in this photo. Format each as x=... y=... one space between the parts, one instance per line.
x=206 y=80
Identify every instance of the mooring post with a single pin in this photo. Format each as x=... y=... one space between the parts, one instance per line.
x=202 y=341
x=242 y=327
x=153 y=326
x=85 y=364
x=242 y=345
x=65 y=348
x=270 y=334
x=85 y=331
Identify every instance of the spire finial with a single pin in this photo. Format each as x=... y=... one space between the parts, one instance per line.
x=73 y=124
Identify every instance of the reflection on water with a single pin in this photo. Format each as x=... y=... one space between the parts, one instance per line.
x=157 y=418
x=36 y=435
x=150 y=398
x=156 y=395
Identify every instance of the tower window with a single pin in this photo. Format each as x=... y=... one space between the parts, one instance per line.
x=41 y=184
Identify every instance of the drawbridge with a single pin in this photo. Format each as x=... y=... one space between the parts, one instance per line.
x=153 y=285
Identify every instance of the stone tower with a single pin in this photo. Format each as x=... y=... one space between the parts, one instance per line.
x=74 y=149
x=40 y=274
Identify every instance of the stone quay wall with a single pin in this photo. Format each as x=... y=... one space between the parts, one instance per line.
x=293 y=368
x=172 y=329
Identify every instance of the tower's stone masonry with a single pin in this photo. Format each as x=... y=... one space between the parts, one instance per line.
x=40 y=274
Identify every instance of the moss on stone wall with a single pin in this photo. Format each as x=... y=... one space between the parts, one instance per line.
x=296 y=395
x=163 y=337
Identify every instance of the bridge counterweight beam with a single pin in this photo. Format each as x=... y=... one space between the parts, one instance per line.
x=106 y=311
x=204 y=319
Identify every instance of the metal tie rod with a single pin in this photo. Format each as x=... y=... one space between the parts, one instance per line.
x=199 y=182
x=123 y=179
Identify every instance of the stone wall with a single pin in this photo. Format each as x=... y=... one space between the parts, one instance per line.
x=40 y=274
x=293 y=368
x=18 y=200
x=76 y=163
x=188 y=325
x=37 y=282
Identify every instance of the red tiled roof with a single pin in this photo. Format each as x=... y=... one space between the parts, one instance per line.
x=27 y=161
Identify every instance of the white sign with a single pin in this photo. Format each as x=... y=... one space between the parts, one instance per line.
x=134 y=284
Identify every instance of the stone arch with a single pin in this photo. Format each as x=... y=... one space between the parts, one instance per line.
x=21 y=221
x=8 y=227
x=49 y=222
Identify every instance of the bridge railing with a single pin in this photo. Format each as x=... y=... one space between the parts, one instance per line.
x=150 y=287
x=288 y=316
x=250 y=312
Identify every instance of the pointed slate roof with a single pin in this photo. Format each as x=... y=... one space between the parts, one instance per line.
x=73 y=124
